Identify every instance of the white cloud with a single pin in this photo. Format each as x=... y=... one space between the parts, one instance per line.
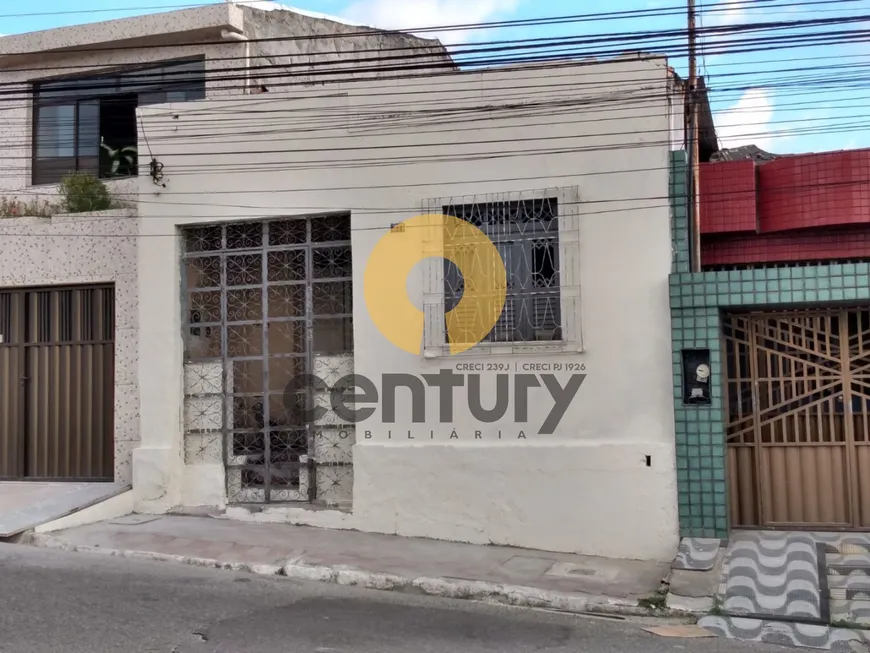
x=408 y=14
x=722 y=14
x=731 y=12
x=747 y=121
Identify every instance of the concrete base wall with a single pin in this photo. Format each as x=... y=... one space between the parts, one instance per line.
x=564 y=496
x=157 y=479
x=570 y=497
x=204 y=485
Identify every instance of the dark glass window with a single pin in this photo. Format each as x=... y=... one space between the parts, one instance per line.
x=88 y=124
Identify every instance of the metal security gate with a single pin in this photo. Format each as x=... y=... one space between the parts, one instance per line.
x=57 y=383
x=267 y=304
x=798 y=419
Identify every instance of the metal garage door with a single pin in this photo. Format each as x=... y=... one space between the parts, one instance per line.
x=57 y=383
x=798 y=418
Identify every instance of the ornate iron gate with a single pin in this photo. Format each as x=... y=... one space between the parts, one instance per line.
x=57 y=383
x=798 y=425
x=268 y=303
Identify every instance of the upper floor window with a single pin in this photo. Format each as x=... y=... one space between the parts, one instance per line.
x=88 y=124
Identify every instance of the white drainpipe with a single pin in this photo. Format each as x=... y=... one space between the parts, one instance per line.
x=227 y=35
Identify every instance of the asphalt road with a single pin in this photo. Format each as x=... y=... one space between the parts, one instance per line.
x=55 y=601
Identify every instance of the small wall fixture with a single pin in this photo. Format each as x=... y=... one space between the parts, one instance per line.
x=696 y=377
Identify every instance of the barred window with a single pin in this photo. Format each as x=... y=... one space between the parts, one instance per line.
x=526 y=235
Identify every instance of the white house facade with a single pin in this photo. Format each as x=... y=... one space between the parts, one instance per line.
x=555 y=431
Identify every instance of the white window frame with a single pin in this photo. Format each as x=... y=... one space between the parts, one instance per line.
x=435 y=343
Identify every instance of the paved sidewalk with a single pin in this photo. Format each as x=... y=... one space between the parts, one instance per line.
x=502 y=574
x=24 y=505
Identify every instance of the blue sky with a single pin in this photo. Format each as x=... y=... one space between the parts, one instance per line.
x=785 y=100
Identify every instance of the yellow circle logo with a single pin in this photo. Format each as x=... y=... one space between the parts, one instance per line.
x=447 y=237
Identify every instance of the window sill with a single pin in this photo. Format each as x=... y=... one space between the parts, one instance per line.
x=507 y=349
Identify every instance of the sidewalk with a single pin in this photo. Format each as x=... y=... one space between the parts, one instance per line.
x=500 y=574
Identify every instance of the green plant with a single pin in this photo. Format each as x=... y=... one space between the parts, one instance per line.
x=83 y=193
x=123 y=159
x=12 y=208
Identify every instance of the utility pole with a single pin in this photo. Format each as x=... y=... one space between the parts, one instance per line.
x=694 y=156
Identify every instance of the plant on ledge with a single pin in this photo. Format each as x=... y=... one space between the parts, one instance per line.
x=123 y=160
x=84 y=193
x=13 y=208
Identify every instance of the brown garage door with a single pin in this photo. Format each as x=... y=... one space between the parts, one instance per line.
x=57 y=383
x=798 y=419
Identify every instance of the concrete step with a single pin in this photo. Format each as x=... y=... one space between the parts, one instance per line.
x=843 y=564
x=849 y=588
x=849 y=547
x=851 y=612
x=858 y=579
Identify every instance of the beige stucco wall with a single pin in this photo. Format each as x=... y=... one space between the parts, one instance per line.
x=81 y=249
x=586 y=488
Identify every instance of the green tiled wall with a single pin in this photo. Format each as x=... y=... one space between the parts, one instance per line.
x=700 y=430
x=697 y=300
x=679 y=200
x=771 y=286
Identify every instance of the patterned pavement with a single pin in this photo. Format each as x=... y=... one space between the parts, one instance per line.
x=803 y=589
x=772 y=574
x=840 y=640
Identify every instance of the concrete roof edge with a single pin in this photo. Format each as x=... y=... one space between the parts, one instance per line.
x=565 y=63
x=345 y=27
x=216 y=16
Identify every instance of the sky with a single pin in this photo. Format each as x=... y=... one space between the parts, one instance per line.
x=796 y=99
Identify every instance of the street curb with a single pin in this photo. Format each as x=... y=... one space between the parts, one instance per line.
x=454 y=588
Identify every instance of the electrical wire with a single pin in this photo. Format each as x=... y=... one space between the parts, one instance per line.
x=471 y=143
x=212 y=60
x=520 y=90
x=549 y=43
x=307 y=82
x=722 y=7
x=627 y=37
x=272 y=212
x=803 y=81
x=332 y=122
x=551 y=151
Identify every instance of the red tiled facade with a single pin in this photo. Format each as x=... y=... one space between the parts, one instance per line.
x=808 y=207
x=787 y=247
x=727 y=197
